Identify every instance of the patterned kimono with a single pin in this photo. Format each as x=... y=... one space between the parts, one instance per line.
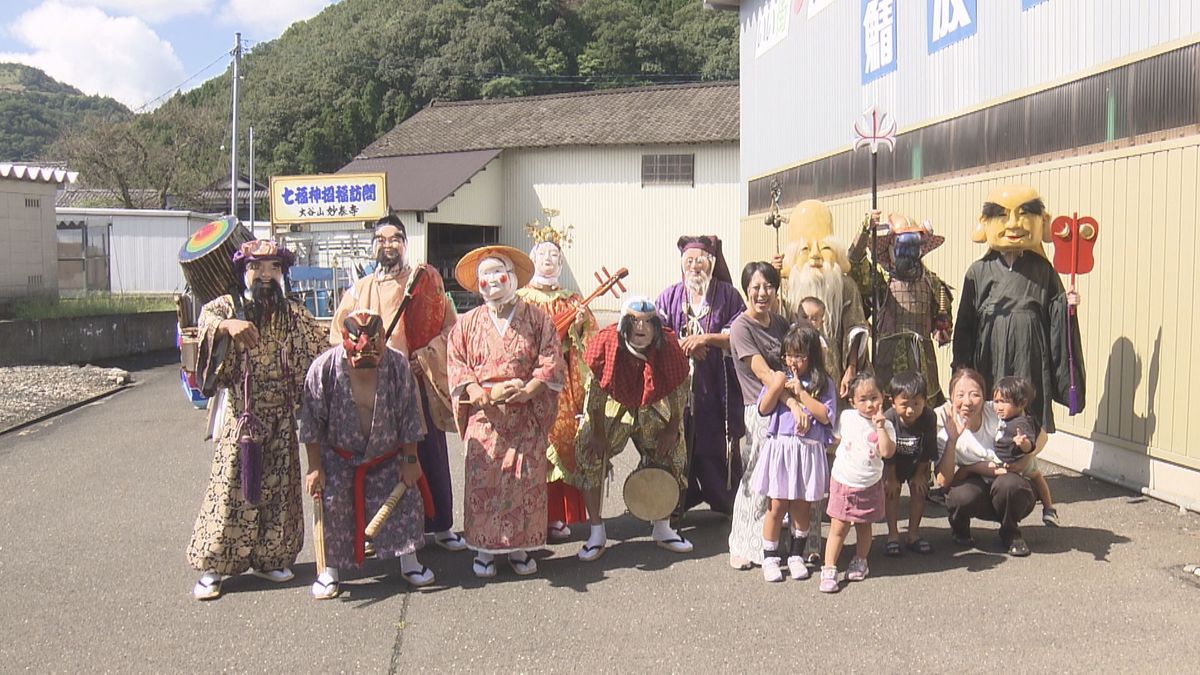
x=565 y=501
x=713 y=423
x=231 y=534
x=361 y=470
x=504 y=505
x=421 y=323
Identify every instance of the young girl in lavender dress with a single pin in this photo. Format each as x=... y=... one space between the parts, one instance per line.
x=792 y=468
x=856 y=483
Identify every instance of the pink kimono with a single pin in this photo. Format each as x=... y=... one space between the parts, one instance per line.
x=505 y=497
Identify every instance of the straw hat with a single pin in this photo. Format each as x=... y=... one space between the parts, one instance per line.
x=466 y=272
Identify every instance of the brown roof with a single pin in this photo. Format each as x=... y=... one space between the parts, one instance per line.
x=421 y=182
x=687 y=113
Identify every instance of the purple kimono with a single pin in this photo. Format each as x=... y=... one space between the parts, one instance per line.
x=714 y=421
x=328 y=417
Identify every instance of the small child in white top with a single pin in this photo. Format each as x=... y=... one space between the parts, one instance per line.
x=856 y=483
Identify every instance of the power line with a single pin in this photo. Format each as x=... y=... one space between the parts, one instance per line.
x=179 y=86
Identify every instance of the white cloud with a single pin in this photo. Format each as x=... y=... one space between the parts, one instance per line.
x=150 y=11
x=269 y=17
x=121 y=57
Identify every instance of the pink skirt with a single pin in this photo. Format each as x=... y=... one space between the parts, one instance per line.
x=855 y=505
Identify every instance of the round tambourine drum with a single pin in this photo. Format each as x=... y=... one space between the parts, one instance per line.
x=651 y=493
x=207 y=258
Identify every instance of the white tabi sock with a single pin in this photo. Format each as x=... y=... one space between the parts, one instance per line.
x=409 y=563
x=484 y=557
x=329 y=574
x=662 y=531
x=598 y=536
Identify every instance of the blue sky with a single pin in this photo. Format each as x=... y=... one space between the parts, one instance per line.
x=138 y=50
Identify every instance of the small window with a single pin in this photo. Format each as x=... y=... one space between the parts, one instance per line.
x=33 y=203
x=668 y=170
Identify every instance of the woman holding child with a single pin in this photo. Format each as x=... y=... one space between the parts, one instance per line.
x=978 y=484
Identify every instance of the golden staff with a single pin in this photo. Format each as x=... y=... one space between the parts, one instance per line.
x=319 y=532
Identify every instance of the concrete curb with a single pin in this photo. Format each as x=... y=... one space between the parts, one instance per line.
x=65 y=409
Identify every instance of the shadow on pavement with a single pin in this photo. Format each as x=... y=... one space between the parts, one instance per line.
x=1068 y=488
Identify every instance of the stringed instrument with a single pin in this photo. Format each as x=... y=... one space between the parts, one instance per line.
x=612 y=282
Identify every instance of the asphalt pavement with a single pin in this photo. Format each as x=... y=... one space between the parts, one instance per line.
x=97 y=506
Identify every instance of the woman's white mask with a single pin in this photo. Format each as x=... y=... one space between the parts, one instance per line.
x=497 y=282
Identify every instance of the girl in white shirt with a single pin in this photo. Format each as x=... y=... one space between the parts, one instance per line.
x=856 y=483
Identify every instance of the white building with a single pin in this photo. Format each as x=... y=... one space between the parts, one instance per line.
x=631 y=169
x=1094 y=104
x=28 y=261
x=126 y=250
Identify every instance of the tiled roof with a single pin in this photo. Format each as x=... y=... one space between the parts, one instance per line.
x=688 y=113
x=40 y=174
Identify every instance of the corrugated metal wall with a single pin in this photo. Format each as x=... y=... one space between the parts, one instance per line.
x=801 y=97
x=1138 y=305
x=619 y=223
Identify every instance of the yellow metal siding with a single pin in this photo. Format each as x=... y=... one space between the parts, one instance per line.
x=1137 y=305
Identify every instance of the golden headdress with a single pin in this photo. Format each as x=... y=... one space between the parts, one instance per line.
x=541 y=233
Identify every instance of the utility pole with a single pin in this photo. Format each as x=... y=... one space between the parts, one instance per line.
x=233 y=133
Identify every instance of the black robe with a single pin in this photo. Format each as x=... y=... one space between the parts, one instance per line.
x=1014 y=322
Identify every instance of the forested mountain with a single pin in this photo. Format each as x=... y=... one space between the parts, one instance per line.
x=35 y=108
x=332 y=84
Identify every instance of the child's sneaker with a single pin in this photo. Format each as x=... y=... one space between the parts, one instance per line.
x=829 y=581
x=797 y=567
x=858 y=570
x=1049 y=516
x=771 y=571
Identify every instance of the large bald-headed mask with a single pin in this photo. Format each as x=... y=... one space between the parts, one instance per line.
x=815 y=260
x=1013 y=219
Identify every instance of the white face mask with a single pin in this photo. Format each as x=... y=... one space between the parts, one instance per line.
x=547 y=262
x=497 y=282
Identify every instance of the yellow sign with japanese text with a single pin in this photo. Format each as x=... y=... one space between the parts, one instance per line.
x=328 y=198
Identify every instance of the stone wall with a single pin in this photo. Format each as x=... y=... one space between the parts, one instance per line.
x=85 y=339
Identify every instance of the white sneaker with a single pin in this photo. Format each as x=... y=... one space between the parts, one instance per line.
x=797 y=567
x=278 y=576
x=771 y=571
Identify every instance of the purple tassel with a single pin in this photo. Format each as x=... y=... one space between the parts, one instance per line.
x=251 y=455
x=1074 y=405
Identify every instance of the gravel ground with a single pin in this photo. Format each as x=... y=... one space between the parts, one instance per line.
x=28 y=392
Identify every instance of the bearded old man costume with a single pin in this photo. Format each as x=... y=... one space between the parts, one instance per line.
x=700 y=309
x=1012 y=317
x=815 y=264
x=258 y=344
x=360 y=423
x=637 y=392
x=915 y=305
x=420 y=333
x=506 y=371
x=565 y=505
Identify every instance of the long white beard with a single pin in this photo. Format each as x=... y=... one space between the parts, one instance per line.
x=698 y=284
x=825 y=283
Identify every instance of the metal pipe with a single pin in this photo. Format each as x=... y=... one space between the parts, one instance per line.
x=1174 y=500
x=251 y=130
x=233 y=177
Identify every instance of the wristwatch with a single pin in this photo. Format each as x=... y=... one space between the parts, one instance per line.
x=411 y=459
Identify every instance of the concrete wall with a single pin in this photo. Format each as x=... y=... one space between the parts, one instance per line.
x=28 y=244
x=85 y=339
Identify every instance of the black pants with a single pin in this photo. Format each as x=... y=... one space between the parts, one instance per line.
x=1008 y=499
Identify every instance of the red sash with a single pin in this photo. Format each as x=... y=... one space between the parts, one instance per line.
x=360 y=498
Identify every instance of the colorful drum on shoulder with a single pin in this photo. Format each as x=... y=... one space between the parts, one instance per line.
x=207 y=258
